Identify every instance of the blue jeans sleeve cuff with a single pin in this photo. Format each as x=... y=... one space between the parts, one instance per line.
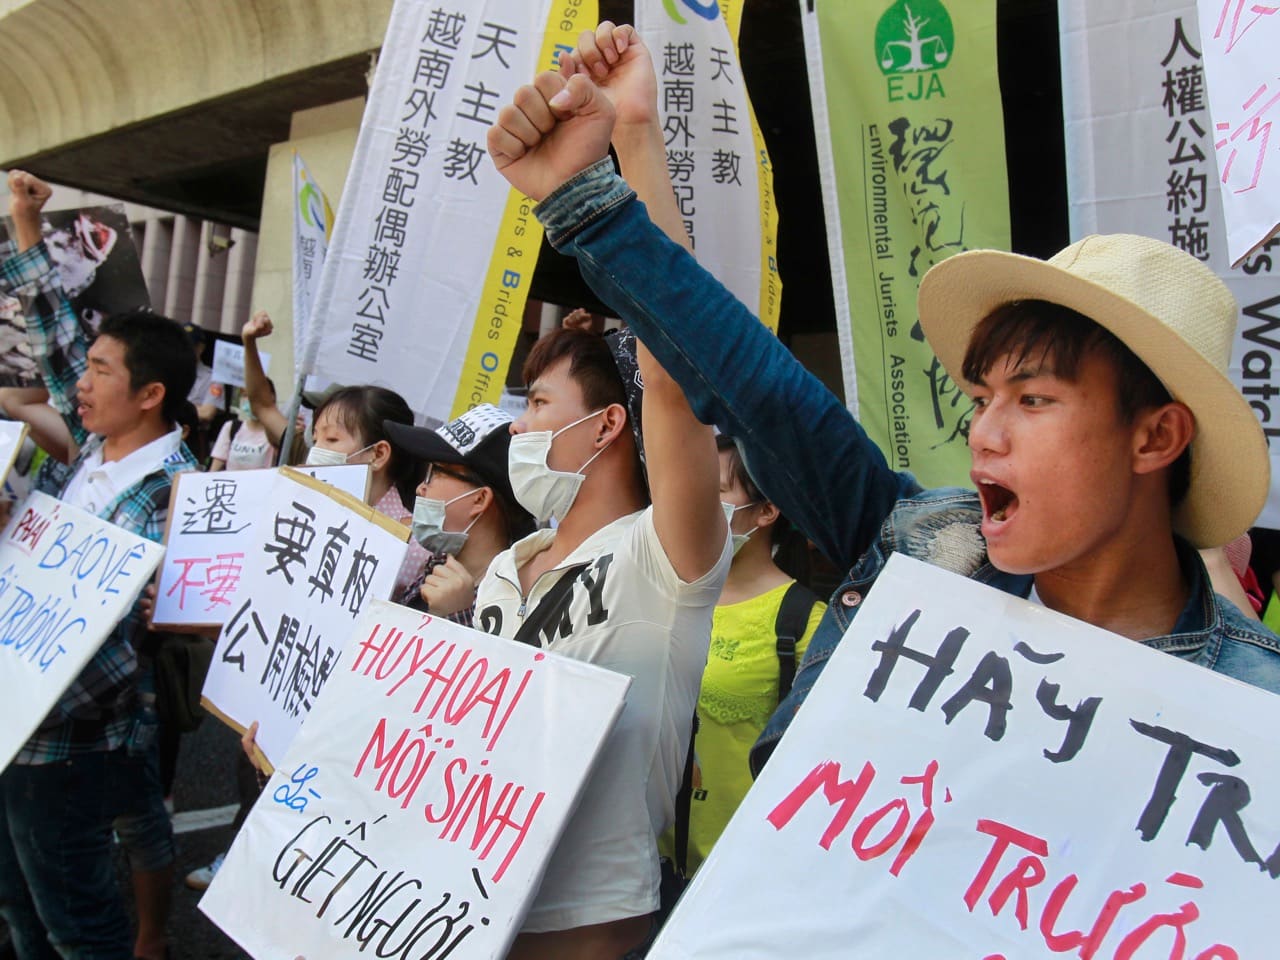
x=581 y=200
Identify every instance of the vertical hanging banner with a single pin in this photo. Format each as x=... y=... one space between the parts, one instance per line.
x=312 y=223
x=977 y=777
x=1241 y=48
x=318 y=556
x=66 y=579
x=910 y=140
x=424 y=285
x=1142 y=158
x=415 y=812
x=716 y=156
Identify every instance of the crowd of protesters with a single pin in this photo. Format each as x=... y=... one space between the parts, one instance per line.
x=667 y=466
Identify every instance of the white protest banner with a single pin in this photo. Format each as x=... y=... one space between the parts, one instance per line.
x=66 y=579
x=1141 y=159
x=210 y=529
x=716 y=154
x=416 y=809
x=424 y=285
x=228 y=363
x=312 y=221
x=974 y=775
x=318 y=556
x=12 y=433
x=1241 y=44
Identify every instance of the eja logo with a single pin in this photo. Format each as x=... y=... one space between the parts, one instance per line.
x=707 y=11
x=914 y=37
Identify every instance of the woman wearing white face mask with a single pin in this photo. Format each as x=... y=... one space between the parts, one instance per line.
x=243 y=443
x=464 y=513
x=744 y=676
x=350 y=427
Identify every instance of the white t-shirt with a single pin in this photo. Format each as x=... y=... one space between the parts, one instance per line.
x=631 y=613
x=248 y=449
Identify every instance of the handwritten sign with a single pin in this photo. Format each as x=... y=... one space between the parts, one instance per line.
x=416 y=809
x=977 y=776
x=211 y=529
x=66 y=580
x=1240 y=42
x=228 y=363
x=317 y=557
x=12 y=433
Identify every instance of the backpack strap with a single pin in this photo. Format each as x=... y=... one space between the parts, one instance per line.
x=793 y=618
x=550 y=608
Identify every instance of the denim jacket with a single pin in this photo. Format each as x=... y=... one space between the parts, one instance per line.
x=806 y=451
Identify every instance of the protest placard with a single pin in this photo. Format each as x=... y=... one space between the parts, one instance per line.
x=210 y=529
x=416 y=810
x=228 y=363
x=93 y=251
x=974 y=775
x=316 y=558
x=12 y=433
x=66 y=580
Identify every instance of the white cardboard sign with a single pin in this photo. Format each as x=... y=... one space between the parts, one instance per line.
x=420 y=801
x=317 y=558
x=1125 y=800
x=210 y=531
x=66 y=579
x=228 y=363
x=12 y=433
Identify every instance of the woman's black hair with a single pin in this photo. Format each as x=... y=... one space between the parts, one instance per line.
x=360 y=411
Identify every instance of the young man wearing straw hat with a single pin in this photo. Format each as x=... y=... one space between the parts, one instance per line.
x=1107 y=441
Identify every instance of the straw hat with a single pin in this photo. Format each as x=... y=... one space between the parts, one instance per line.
x=1169 y=309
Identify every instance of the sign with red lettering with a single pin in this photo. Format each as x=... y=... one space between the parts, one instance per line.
x=66 y=579
x=317 y=556
x=415 y=811
x=974 y=775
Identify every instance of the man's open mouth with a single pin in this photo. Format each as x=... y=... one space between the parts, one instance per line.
x=998 y=502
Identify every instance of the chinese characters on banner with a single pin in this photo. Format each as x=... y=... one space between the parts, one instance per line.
x=415 y=811
x=716 y=156
x=1241 y=46
x=312 y=223
x=911 y=151
x=424 y=285
x=964 y=781
x=66 y=579
x=211 y=527
x=1142 y=157
x=317 y=558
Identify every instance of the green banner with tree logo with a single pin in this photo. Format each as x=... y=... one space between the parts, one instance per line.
x=911 y=151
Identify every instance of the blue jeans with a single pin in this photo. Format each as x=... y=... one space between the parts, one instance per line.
x=58 y=888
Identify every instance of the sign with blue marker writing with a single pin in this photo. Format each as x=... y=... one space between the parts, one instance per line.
x=415 y=812
x=976 y=776
x=66 y=580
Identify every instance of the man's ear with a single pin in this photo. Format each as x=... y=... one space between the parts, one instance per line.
x=612 y=422
x=478 y=502
x=151 y=396
x=1160 y=435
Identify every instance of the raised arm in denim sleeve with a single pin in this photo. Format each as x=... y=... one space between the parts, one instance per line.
x=57 y=340
x=801 y=444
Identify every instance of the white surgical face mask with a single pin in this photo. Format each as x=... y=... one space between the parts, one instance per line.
x=544 y=492
x=428 y=526
x=739 y=539
x=324 y=457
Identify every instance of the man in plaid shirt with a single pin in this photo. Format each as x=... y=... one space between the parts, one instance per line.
x=92 y=762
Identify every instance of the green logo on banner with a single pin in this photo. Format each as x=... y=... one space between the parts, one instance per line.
x=914 y=38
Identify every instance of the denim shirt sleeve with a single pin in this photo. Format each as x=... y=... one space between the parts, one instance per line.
x=800 y=444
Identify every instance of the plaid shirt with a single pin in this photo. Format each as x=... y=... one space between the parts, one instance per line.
x=97 y=711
